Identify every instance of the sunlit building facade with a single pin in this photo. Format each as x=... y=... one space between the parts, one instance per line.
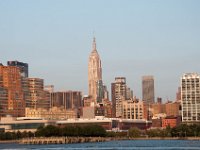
x=94 y=72
x=190 y=97
x=148 y=89
x=118 y=89
x=11 y=82
x=39 y=98
x=133 y=109
x=66 y=99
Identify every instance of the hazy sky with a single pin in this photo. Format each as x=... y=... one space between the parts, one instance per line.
x=134 y=38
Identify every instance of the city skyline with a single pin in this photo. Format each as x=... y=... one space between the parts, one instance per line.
x=134 y=38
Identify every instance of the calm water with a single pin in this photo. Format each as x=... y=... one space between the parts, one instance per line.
x=116 y=145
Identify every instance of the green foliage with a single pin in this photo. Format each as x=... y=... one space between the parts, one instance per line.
x=134 y=132
x=89 y=130
x=183 y=130
x=15 y=135
x=111 y=134
x=153 y=132
x=116 y=134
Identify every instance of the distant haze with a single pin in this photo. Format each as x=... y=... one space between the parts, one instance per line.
x=134 y=38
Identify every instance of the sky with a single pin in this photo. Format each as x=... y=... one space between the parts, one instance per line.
x=134 y=38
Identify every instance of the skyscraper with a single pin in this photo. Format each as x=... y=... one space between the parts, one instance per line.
x=148 y=89
x=100 y=91
x=94 y=72
x=118 y=89
x=190 y=97
x=23 y=67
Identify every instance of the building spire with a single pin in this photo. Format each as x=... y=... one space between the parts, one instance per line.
x=94 y=44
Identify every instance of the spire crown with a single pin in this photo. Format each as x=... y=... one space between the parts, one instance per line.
x=94 y=44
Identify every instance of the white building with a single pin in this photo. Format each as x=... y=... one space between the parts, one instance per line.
x=190 y=96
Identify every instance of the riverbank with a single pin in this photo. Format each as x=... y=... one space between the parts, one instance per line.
x=9 y=141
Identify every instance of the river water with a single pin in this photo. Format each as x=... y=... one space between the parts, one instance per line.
x=116 y=145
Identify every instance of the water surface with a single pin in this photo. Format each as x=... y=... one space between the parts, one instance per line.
x=116 y=145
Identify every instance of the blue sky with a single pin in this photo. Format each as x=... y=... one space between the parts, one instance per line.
x=134 y=38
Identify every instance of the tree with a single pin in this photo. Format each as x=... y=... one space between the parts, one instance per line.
x=134 y=132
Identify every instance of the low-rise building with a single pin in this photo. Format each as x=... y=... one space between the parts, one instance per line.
x=55 y=113
x=133 y=109
x=171 y=121
x=13 y=124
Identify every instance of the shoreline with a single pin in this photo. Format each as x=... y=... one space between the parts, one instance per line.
x=9 y=141
x=92 y=139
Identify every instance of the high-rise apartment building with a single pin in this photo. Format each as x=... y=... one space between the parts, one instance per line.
x=118 y=89
x=190 y=97
x=39 y=98
x=23 y=67
x=11 y=82
x=148 y=89
x=94 y=72
x=24 y=75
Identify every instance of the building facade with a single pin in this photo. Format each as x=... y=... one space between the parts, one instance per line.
x=11 y=82
x=66 y=100
x=23 y=67
x=148 y=89
x=133 y=109
x=118 y=89
x=39 y=98
x=3 y=102
x=100 y=91
x=190 y=97
x=173 y=109
x=49 y=88
x=171 y=121
x=129 y=93
x=94 y=72
x=54 y=113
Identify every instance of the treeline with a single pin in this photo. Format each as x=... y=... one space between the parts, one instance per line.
x=85 y=131
x=183 y=130
x=50 y=130
x=15 y=135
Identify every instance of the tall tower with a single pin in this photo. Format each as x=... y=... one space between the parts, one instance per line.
x=190 y=97
x=94 y=71
x=148 y=89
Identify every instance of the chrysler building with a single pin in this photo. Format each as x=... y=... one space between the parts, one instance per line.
x=94 y=72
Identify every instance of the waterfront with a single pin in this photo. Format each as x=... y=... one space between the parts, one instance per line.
x=116 y=145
